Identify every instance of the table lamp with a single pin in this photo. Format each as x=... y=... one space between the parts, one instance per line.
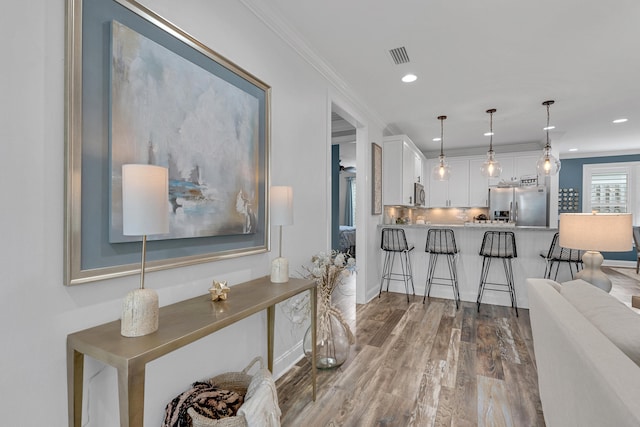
x=145 y=194
x=594 y=232
x=281 y=214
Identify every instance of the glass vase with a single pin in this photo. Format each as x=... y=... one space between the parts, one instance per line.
x=332 y=342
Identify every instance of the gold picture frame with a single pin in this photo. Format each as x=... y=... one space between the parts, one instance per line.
x=88 y=254
x=376 y=179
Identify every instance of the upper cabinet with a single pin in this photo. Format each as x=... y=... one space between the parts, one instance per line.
x=515 y=166
x=402 y=167
x=478 y=184
x=468 y=188
x=455 y=191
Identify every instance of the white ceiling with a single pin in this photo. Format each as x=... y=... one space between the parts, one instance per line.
x=472 y=55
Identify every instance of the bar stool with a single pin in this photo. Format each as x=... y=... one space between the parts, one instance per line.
x=442 y=242
x=394 y=242
x=498 y=244
x=557 y=254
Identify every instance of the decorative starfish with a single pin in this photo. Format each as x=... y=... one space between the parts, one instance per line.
x=219 y=291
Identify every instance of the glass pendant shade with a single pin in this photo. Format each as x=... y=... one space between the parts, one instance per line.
x=548 y=164
x=441 y=171
x=491 y=168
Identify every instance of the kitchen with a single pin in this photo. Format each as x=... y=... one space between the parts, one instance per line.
x=469 y=204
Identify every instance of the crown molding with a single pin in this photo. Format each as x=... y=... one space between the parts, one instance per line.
x=588 y=154
x=281 y=27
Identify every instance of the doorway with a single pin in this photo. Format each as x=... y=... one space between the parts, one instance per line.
x=347 y=134
x=343 y=185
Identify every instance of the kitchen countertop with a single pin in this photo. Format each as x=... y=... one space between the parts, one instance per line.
x=472 y=225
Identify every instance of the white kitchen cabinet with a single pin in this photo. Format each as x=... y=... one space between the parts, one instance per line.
x=418 y=165
x=455 y=191
x=525 y=164
x=402 y=166
x=478 y=184
x=508 y=170
x=467 y=187
x=515 y=166
x=408 y=173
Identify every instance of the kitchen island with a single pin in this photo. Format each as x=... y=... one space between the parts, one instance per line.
x=530 y=241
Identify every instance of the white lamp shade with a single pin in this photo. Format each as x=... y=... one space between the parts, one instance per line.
x=596 y=232
x=145 y=194
x=281 y=205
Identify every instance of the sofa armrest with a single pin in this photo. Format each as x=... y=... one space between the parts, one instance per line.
x=584 y=379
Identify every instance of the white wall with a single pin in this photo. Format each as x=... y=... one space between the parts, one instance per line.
x=37 y=311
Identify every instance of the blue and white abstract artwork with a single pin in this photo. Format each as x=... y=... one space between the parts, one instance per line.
x=168 y=111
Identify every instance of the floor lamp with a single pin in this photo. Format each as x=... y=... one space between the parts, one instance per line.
x=594 y=232
x=145 y=194
x=281 y=214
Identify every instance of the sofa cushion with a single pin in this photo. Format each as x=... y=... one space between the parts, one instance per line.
x=614 y=319
x=555 y=285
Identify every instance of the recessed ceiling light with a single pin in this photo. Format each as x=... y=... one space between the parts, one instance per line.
x=436 y=139
x=573 y=149
x=410 y=78
x=488 y=133
x=620 y=120
x=548 y=127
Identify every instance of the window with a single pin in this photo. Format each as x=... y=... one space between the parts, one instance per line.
x=609 y=192
x=611 y=188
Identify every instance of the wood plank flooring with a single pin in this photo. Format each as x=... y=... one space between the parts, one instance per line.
x=418 y=364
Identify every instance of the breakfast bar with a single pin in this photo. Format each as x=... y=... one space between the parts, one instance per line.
x=530 y=241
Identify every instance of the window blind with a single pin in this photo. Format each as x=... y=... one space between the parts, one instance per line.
x=609 y=192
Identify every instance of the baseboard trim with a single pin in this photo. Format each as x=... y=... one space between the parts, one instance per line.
x=618 y=263
x=288 y=359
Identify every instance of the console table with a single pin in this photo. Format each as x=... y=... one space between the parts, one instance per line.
x=180 y=324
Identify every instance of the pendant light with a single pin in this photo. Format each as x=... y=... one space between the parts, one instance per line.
x=441 y=171
x=491 y=168
x=548 y=164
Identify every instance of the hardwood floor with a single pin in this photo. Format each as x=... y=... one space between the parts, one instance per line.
x=417 y=364
x=623 y=286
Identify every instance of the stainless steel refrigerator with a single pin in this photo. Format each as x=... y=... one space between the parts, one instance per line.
x=526 y=206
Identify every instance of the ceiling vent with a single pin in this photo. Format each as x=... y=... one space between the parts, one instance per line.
x=399 y=55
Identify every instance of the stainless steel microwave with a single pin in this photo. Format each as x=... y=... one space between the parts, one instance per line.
x=419 y=196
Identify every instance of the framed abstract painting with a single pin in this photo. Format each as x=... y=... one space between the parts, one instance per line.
x=141 y=90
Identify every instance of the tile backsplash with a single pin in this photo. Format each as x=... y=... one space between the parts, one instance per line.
x=431 y=215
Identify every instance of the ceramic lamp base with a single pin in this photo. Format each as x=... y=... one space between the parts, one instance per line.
x=592 y=260
x=280 y=270
x=139 y=313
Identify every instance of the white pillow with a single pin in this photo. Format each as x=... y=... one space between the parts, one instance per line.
x=614 y=319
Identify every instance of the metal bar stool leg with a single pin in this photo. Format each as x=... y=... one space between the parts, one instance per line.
x=486 y=263
x=555 y=277
x=433 y=259
x=386 y=269
x=547 y=274
x=410 y=270
x=406 y=268
x=454 y=278
x=508 y=269
x=393 y=262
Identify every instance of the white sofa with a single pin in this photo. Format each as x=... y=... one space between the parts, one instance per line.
x=584 y=379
